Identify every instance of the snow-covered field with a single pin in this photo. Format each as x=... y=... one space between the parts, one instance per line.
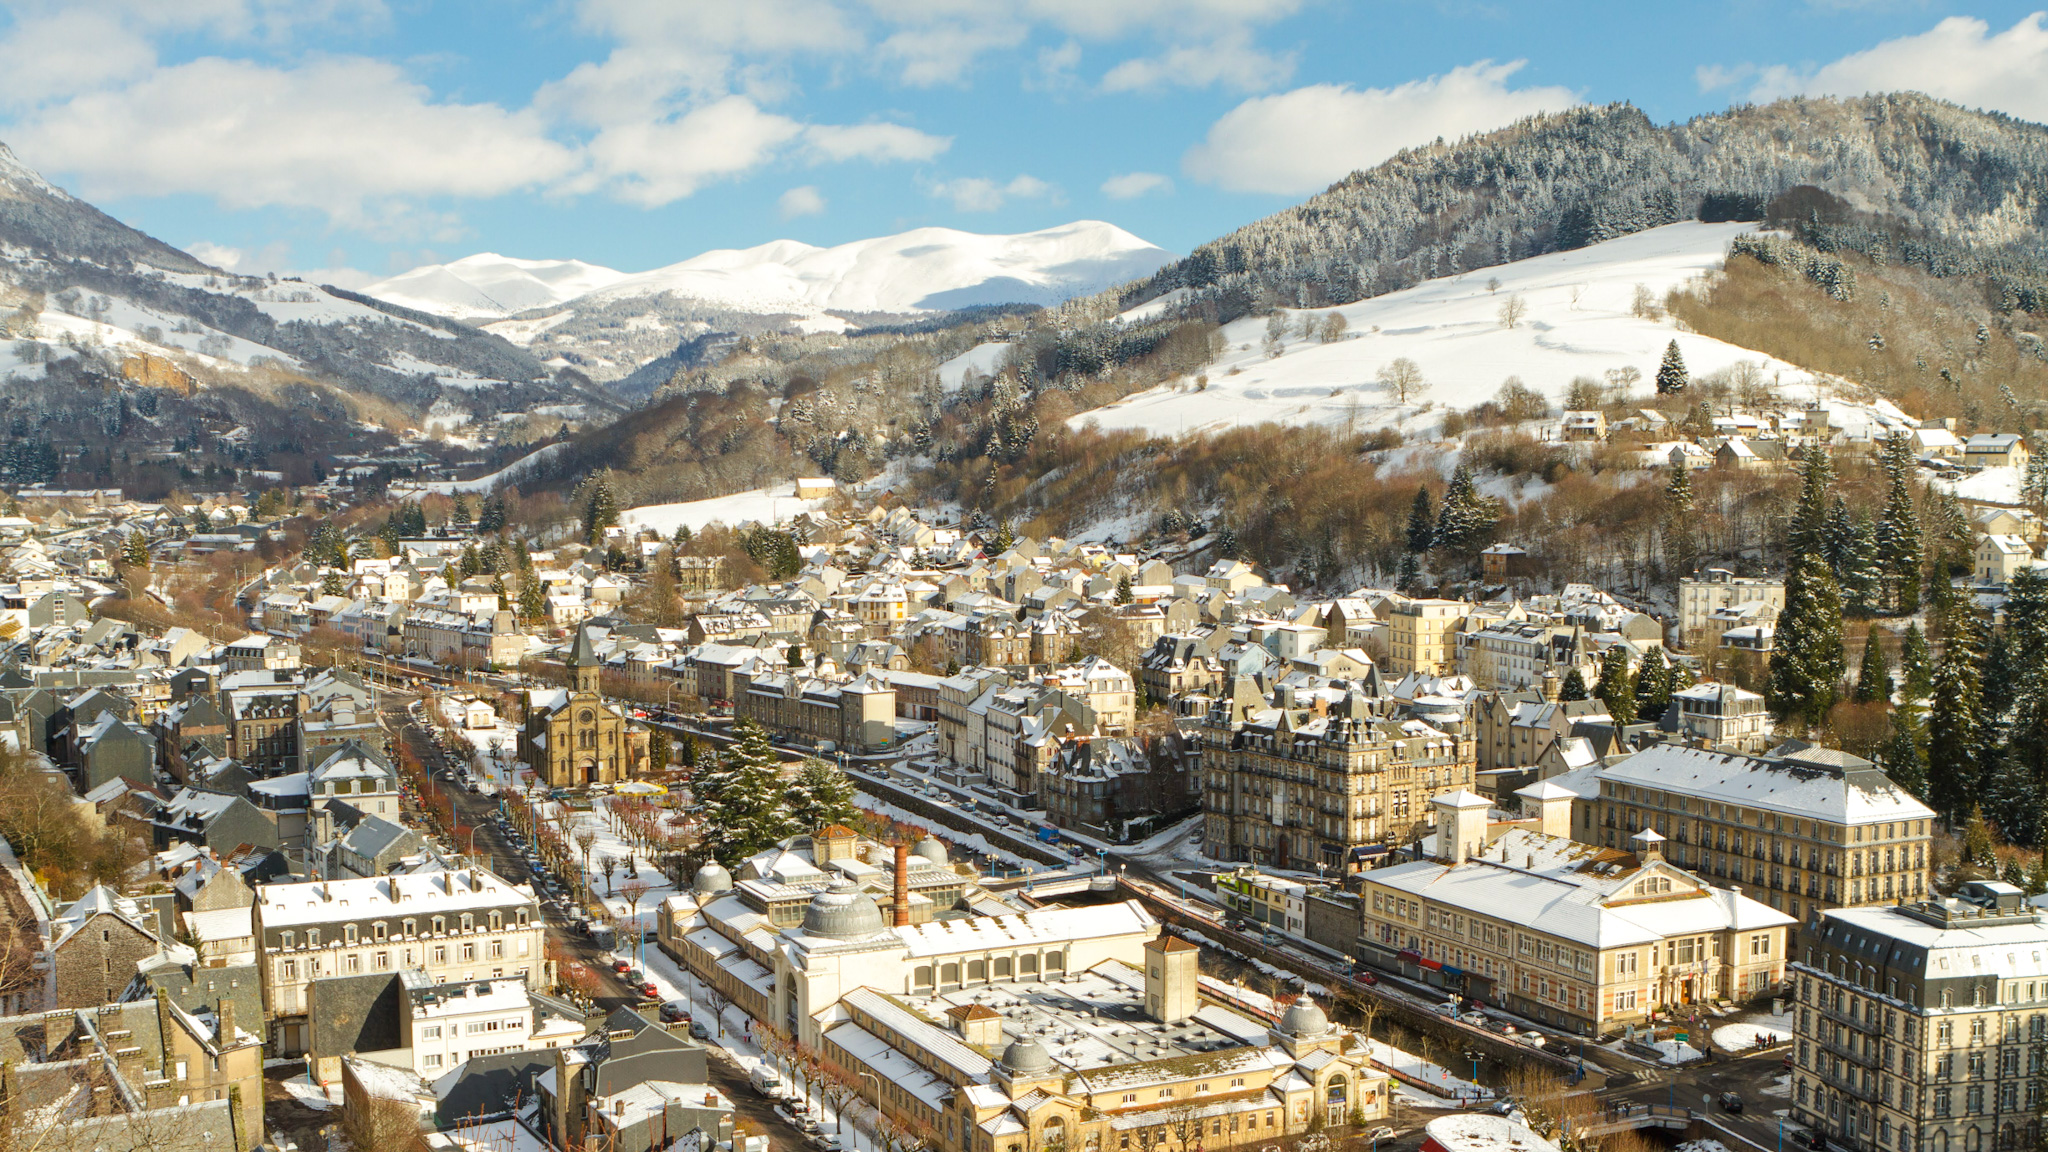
x=1578 y=323
x=980 y=360
x=1992 y=486
x=489 y=483
x=767 y=505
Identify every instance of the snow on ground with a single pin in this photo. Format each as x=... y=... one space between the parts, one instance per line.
x=489 y=483
x=978 y=361
x=1435 y=1076
x=303 y=1090
x=1991 y=486
x=768 y=505
x=1702 y=1146
x=1154 y=307
x=1676 y=1052
x=1734 y=1037
x=1579 y=323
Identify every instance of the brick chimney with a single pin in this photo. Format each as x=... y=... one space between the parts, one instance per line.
x=902 y=883
x=224 y=1017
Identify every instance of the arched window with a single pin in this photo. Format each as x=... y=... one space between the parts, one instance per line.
x=1055 y=1132
x=922 y=977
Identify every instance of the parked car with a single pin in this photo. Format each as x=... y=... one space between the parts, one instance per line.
x=1365 y=978
x=622 y=966
x=700 y=1030
x=1810 y=1138
x=650 y=991
x=1380 y=1133
x=1730 y=1102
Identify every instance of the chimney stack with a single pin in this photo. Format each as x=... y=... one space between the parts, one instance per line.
x=902 y=884
x=224 y=1016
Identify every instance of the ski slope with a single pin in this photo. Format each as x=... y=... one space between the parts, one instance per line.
x=771 y=505
x=1578 y=323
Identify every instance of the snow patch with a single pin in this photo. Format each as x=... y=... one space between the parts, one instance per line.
x=767 y=505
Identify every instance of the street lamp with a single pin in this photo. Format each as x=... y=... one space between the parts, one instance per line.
x=878 y=1098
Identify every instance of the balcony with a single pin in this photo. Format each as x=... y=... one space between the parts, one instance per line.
x=1847 y=1083
x=1859 y=1023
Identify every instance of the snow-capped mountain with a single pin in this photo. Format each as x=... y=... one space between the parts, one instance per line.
x=926 y=269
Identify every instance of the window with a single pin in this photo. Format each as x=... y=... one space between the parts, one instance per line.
x=348 y=934
x=291 y=969
x=431 y=1032
x=440 y=925
x=411 y=927
x=284 y=940
x=1130 y=1097
x=431 y=1060
x=382 y=961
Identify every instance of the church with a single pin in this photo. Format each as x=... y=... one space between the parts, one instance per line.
x=572 y=736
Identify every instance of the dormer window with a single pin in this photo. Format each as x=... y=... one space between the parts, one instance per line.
x=411 y=927
x=348 y=934
x=312 y=937
x=286 y=940
x=377 y=930
x=440 y=925
x=468 y=921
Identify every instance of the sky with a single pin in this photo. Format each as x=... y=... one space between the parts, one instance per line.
x=348 y=140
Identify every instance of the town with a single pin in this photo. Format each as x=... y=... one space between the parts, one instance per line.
x=859 y=827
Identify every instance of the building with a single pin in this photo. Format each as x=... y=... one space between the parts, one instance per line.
x=1419 y=635
x=572 y=736
x=1723 y=716
x=1328 y=788
x=1995 y=450
x=1999 y=558
x=1699 y=597
x=463 y=639
x=1273 y=902
x=1570 y=934
x=1803 y=829
x=95 y=944
x=465 y=924
x=1919 y=1025
x=858 y=715
x=634 y=1088
x=446 y=1024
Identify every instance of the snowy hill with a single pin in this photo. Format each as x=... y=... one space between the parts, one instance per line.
x=488 y=285
x=925 y=269
x=1579 y=322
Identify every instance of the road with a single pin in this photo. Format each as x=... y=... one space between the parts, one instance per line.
x=750 y=1108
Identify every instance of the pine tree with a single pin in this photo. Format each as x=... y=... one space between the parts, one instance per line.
x=1653 y=687
x=1671 y=374
x=1901 y=757
x=1410 y=574
x=1898 y=531
x=1421 y=522
x=469 y=562
x=1616 y=688
x=1466 y=517
x=1807 y=533
x=1123 y=589
x=1005 y=538
x=682 y=536
x=332 y=585
x=1874 y=674
x=1681 y=537
x=1574 y=687
x=492 y=517
x=2023 y=775
x=821 y=795
x=660 y=749
x=1862 y=575
x=600 y=512
x=2034 y=486
x=1955 y=720
x=1807 y=662
x=135 y=552
x=743 y=802
x=1916 y=664
x=461 y=515
x=1980 y=850
x=533 y=602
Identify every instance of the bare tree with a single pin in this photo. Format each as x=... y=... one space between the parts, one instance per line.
x=1402 y=377
x=635 y=891
x=1332 y=328
x=608 y=864
x=841 y=1092
x=1513 y=310
x=382 y=1122
x=717 y=1000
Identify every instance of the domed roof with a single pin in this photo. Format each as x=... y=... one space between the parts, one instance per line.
x=1027 y=1057
x=843 y=912
x=712 y=879
x=1304 y=1019
x=931 y=849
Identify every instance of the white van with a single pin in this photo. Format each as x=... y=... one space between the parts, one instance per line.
x=765 y=1081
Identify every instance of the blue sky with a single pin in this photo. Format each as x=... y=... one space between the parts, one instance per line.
x=357 y=138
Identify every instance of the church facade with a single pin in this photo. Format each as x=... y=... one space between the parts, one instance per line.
x=572 y=737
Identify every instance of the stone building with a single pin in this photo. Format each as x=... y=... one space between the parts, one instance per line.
x=94 y=948
x=573 y=737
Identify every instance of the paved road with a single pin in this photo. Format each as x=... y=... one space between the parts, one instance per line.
x=750 y=1108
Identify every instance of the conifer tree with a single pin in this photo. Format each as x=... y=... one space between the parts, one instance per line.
x=743 y=801
x=1574 y=687
x=469 y=562
x=135 y=552
x=1901 y=756
x=1916 y=664
x=682 y=535
x=1616 y=688
x=1874 y=674
x=1898 y=531
x=504 y=597
x=1123 y=589
x=461 y=514
x=1862 y=574
x=600 y=512
x=2023 y=774
x=1807 y=533
x=533 y=602
x=1410 y=573
x=1421 y=522
x=332 y=585
x=1465 y=517
x=821 y=795
x=1955 y=720
x=1807 y=663
x=492 y=516
x=1672 y=377
x=660 y=749
x=1653 y=686
x=1005 y=538
x=1681 y=537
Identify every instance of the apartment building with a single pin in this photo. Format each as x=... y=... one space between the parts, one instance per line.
x=1920 y=1025
x=455 y=925
x=1421 y=636
x=1579 y=936
x=1511 y=654
x=1699 y=597
x=1329 y=786
x=1274 y=902
x=1804 y=829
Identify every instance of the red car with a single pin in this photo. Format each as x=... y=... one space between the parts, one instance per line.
x=1365 y=978
x=650 y=991
x=622 y=966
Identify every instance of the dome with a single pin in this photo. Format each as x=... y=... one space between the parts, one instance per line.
x=931 y=849
x=1026 y=1057
x=1304 y=1019
x=712 y=880
x=843 y=912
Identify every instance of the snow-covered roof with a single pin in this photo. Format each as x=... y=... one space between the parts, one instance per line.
x=1037 y=927
x=322 y=901
x=1810 y=782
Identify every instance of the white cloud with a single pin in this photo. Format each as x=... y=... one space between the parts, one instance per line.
x=219 y=255
x=1959 y=59
x=1230 y=61
x=978 y=194
x=651 y=163
x=1131 y=185
x=1301 y=141
x=804 y=200
x=347 y=136
x=839 y=143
